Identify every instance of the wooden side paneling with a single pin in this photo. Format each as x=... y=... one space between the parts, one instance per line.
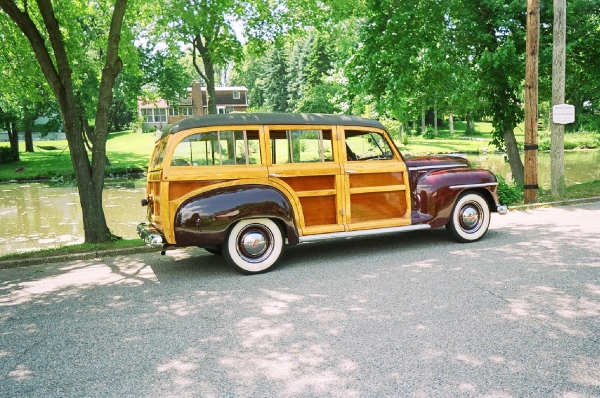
x=319 y=210
x=377 y=206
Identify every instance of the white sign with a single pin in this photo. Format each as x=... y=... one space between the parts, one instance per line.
x=563 y=114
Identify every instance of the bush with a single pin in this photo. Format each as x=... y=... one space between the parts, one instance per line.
x=7 y=155
x=508 y=194
x=429 y=133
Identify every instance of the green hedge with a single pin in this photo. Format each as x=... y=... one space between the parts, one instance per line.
x=7 y=155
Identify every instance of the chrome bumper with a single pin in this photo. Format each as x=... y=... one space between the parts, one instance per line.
x=502 y=209
x=150 y=235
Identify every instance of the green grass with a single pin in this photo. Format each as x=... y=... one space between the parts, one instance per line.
x=127 y=152
x=75 y=249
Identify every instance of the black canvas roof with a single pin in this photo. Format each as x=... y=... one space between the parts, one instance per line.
x=231 y=119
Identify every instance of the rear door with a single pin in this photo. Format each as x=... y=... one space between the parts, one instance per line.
x=305 y=160
x=375 y=180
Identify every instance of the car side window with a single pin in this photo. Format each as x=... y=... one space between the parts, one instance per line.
x=300 y=146
x=367 y=145
x=214 y=148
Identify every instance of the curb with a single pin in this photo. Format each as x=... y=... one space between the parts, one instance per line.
x=566 y=202
x=25 y=262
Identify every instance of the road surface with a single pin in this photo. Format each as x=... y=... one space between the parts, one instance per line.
x=405 y=315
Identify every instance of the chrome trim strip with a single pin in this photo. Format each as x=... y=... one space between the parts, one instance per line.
x=350 y=234
x=487 y=184
x=446 y=166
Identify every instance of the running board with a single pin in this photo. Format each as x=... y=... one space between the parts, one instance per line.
x=365 y=232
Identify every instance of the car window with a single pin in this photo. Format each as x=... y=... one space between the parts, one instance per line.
x=367 y=145
x=300 y=146
x=233 y=147
x=157 y=156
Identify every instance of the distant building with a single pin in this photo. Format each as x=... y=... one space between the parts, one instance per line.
x=163 y=112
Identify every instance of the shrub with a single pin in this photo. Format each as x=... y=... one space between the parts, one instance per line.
x=7 y=155
x=429 y=133
x=508 y=194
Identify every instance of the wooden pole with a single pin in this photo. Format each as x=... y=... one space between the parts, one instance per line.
x=531 y=101
x=557 y=131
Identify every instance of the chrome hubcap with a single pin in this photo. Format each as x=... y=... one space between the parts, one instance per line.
x=254 y=244
x=470 y=217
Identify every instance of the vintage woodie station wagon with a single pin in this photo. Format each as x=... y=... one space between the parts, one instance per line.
x=246 y=185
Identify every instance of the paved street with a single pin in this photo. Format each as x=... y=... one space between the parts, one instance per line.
x=406 y=315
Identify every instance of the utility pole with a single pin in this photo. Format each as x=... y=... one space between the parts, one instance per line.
x=557 y=131
x=531 y=101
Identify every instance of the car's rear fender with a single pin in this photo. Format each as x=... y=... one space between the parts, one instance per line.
x=437 y=191
x=204 y=219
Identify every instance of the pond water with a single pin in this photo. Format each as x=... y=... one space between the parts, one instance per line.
x=43 y=215
x=580 y=166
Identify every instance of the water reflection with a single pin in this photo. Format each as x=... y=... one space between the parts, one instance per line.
x=40 y=215
x=580 y=166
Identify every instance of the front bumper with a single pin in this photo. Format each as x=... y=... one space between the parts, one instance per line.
x=502 y=209
x=150 y=235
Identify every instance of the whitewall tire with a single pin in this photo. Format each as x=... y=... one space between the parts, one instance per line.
x=253 y=246
x=470 y=218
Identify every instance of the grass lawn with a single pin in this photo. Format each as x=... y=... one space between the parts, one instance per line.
x=127 y=152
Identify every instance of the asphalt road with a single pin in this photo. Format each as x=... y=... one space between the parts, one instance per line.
x=406 y=315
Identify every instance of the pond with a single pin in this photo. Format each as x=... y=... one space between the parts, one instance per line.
x=43 y=215
x=580 y=166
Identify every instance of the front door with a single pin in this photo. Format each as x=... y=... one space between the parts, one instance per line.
x=375 y=181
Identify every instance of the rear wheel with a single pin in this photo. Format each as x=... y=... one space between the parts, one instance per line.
x=253 y=246
x=470 y=218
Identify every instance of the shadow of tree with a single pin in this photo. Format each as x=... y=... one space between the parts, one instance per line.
x=515 y=314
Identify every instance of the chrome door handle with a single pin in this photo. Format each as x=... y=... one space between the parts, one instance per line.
x=274 y=175
x=350 y=171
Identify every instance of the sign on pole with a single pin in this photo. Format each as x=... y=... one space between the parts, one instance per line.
x=563 y=114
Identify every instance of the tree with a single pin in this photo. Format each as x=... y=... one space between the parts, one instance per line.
x=56 y=52
x=276 y=81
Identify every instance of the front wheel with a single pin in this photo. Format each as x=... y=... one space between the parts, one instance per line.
x=253 y=246
x=470 y=218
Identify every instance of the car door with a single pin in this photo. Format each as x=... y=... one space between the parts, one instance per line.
x=305 y=161
x=375 y=180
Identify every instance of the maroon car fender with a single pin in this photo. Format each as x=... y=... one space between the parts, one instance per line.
x=437 y=191
x=204 y=220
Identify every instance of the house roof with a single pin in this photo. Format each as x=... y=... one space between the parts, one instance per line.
x=232 y=119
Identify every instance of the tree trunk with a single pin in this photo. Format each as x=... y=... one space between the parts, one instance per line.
x=28 y=139
x=451 y=123
x=422 y=120
x=514 y=158
x=557 y=131
x=57 y=71
x=435 y=124
x=13 y=138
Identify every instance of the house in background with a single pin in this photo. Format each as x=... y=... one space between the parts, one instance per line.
x=163 y=112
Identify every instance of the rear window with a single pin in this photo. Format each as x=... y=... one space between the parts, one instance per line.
x=218 y=148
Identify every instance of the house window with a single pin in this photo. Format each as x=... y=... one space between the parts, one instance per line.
x=160 y=115
x=154 y=115
x=187 y=111
x=172 y=111
x=230 y=109
x=236 y=95
x=148 y=116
